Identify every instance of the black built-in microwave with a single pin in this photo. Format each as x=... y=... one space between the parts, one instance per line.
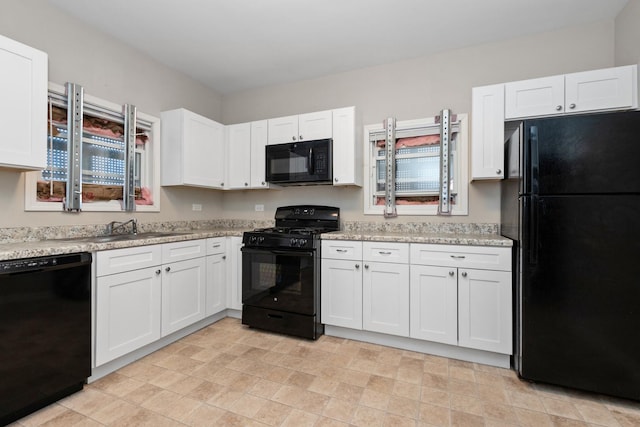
x=300 y=163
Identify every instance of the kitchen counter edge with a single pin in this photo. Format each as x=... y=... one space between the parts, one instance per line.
x=435 y=238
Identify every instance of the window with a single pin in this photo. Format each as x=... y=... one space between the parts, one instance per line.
x=417 y=172
x=102 y=166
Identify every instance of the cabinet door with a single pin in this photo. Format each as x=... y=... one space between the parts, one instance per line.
x=484 y=311
x=611 y=88
x=434 y=304
x=341 y=293
x=193 y=150
x=183 y=294
x=238 y=145
x=216 y=298
x=385 y=298
x=258 y=159
x=536 y=97
x=347 y=154
x=487 y=132
x=23 y=110
x=282 y=129
x=127 y=312
x=234 y=274
x=318 y=125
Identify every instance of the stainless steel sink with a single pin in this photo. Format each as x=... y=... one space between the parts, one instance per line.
x=123 y=237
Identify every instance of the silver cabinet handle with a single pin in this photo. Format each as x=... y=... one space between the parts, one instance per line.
x=158 y=271
x=451 y=273
x=293 y=137
x=341 y=250
x=499 y=171
x=458 y=256
x=357 y=265
x=335 y=179
x=167 y=269
x=262 y=182
x=384 y=252
x=464 y=274
x=216 y=246
x=224 y=257
x=572 y=106
x=246 y=184
x=558 y=107
x=300 y=137
x=366 y=266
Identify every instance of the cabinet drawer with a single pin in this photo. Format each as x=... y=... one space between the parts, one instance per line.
x=342 y=249
x=216 y=245
x=385 y=252
x=179 y=251
x=127 y=259
x=480 y=257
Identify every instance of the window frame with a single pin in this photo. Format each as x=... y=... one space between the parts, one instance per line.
x=461 y=170
x=151 y=173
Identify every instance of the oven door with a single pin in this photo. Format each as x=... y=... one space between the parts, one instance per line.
x=279 y=279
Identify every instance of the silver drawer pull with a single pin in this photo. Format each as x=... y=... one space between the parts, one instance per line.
x=341 y=250
x=384 y=252
x=458 y=256
x=216 y=246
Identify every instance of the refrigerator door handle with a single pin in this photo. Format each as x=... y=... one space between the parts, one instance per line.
x=534 y=205
x=533 y=158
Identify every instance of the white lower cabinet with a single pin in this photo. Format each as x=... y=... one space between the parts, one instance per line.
x=341 y=284
x=484 y=310
x=147 y=292
x=434 y=304
x=385 y=298
x=183 y=294
x=216 y=300
x=234 y=273
x=127 y=312
x=450 y=294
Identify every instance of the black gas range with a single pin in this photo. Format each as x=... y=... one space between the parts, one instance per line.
x=281 y=271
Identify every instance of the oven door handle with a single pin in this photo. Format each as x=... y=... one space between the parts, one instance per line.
x=277 y=252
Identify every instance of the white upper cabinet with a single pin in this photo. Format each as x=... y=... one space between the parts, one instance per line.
x=193 y=150
x=258 y=144
x=303 y=127
x=23 y=110
x=605 y=89
x=238 y=156
x=347 y=155
x=487 y=132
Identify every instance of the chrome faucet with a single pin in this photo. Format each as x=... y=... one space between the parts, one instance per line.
x=115 y=225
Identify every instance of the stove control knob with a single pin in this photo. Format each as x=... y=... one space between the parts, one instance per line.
x=260 y=239
x=302 y=242
x=294 y=242
x=253 y=239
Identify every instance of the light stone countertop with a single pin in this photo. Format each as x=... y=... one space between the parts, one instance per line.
x=471 y=239
x=37 y=248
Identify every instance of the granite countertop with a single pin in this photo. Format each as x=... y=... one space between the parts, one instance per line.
x=471 y=239
x=57 y=246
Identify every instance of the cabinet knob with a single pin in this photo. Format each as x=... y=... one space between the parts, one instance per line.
x=366 y=266
x=357 y=265
x=300 y=137
x=224 y=257
x=293 y=137
x=499 y=171
x=167 y=269
x=246 y=184
x=572 y=106
x=464 y=274
x=262 y=182
x=558 y=107
x=335 y=179
x=158 y=271
x=222 y=184
x=451 y=273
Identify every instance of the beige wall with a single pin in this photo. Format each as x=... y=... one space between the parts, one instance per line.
x=627 y=34
x=410 y=89
x=113 y=71
x=414 y=89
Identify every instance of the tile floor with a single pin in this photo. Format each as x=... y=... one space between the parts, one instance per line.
x=228 y=375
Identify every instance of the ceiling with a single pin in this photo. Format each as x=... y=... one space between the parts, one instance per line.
x=234 y=45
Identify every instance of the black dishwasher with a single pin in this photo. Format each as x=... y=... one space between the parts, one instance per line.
x=45 y=331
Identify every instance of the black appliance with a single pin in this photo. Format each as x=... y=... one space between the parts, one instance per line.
x=300 y=163
x=281 y=271
x=45 y=331
x=571 y=201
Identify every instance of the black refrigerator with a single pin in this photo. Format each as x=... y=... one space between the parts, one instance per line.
x=571 y=202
